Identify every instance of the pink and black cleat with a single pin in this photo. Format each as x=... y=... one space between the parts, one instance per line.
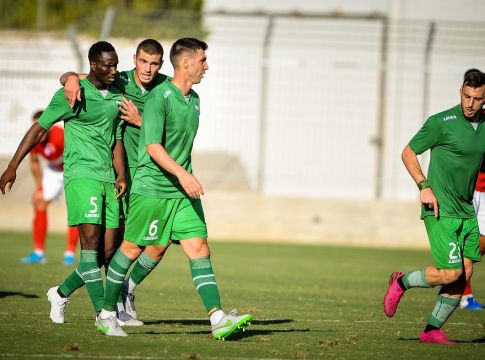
x=393 y=295
x=436 y=337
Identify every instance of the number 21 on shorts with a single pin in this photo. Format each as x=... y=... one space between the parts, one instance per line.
x=455 y=253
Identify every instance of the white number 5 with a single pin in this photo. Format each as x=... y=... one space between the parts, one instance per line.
x=94 y=210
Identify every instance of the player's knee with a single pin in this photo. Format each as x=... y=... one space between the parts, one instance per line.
x=156 y=251
x=130 y=250
x=40 y=205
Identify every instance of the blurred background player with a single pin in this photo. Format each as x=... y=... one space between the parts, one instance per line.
x=49 y=185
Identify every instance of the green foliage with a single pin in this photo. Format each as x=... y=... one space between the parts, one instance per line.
x=140 y=18
x=309 y=302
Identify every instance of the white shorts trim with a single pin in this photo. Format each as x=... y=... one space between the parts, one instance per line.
x=479 y=204
x=52 y=183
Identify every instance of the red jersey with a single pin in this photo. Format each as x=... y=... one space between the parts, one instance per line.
x=480 y=181
x=52 y=148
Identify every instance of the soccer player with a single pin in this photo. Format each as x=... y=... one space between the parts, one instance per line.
x=135 y=85
x=48 y=187
x=456 y=138
x=94 y=172
x=165 y=197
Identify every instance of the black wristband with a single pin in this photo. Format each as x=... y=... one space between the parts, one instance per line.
x=424 y=184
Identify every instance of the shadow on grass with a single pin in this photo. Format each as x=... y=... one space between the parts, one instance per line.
x=474 y=341
x=206 y=322
x=4 y=294
x=235 y=336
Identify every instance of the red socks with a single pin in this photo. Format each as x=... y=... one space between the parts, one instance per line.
x=39 y=230
x=72 y=239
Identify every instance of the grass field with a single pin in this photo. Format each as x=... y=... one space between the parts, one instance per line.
x=308 y=302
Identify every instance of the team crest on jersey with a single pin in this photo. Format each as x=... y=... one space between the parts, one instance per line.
x=167 y=94
x=197 y=109
x=449 y=117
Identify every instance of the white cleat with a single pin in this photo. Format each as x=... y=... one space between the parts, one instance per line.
x=110 y=326
x=128 y=301
x=229 y=324
x=128 y=320
x=58 y=305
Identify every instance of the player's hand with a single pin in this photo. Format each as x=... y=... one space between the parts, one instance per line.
x=191 y=185
x=428 y=199
x=120 y=186
x=7 y=179
x=72 y=90
x=129 y=112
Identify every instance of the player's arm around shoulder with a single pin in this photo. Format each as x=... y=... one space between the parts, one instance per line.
x=72 y=88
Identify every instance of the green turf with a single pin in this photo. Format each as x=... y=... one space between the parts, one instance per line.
x=308 y=302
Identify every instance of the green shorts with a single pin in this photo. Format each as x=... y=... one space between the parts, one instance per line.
x=125 y=200
x=155 y=221
x=452 y=240
x=92 y=202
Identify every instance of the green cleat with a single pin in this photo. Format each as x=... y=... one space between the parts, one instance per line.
x=229 y=324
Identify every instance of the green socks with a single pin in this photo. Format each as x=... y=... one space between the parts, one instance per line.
x=415 y=279
x=205 y=283
x=73 y=282
x=91 y=275
x=442 y=311
x=142 y=268
x=117 y=270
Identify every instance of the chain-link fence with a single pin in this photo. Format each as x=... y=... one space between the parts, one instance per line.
x=315 y=106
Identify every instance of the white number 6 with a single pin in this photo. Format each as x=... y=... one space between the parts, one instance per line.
x=152 y=231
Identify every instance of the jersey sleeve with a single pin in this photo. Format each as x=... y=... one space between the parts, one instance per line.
x=153 y=119
x=428 y=136
x=57 y=110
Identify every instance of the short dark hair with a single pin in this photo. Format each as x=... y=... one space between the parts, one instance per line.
x=150 y=46
x=185 y=45
x=37 y=114
x=474 y=78
x=98 y=48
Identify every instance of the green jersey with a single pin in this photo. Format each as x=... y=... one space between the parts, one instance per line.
x=457 y=150
x=172 y=120
x=89 y=131
x=125 y=81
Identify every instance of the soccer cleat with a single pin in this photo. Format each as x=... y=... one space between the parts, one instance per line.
x=69 y=259
x=393 y=295
x=436 y=337
x=33 y=258
x=229 y=324
x=58 y=305
x=110 y=326
x=128 y=300
x=468 y=302
x=128 y=320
